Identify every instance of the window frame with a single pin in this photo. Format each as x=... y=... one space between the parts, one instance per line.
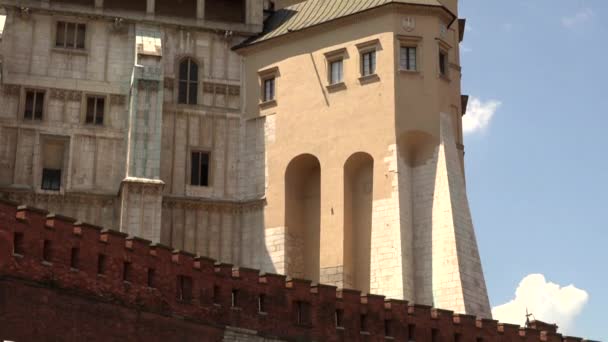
x=369 y=70
x=51 y=188
x=443 y=51
x=188 y=81
x=85 y=111
x=369 y=48
x=264 y=76
x=209 y=168
x=23 y=110
x=75 y=46
x=331 y=58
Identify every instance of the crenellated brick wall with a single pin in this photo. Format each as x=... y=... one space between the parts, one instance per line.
x=65 y=280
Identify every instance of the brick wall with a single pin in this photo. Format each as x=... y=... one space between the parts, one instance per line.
x=53 y=286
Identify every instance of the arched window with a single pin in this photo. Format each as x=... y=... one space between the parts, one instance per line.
x=188 y=81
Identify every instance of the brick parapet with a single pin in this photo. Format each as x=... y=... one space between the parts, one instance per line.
x=153 y=278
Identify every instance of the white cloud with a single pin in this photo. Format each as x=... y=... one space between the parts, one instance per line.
x=479 y=114
x=582 y=16
x=547 y=301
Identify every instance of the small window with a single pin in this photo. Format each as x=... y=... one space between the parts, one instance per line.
x=75 y=258
x=411 y=332
x=151 y=277
x=368 y=63
x=457 y=338
x=269 y=89
x=199 y=169
x=336 y=71
x=70 y=35
x=216 y=295
x=434 y=335
x=34 y=105
x=184 y=288
x=339 y=318
x=262 y=303
x=235 y=298
x=18 y=245
x=303 y=313
x=51 y=179
x=95 y=110
x=388 y=328
x=363 y=322
x=47 y=251
x=443 y=61
x=126 y=271
x=408 y=58
x=188 y=82
x=101 y=264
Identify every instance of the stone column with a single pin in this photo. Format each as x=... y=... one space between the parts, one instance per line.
x=200 y=9
x=141 y=190
x=150 y=6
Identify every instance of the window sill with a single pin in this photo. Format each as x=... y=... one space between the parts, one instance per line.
x=47 y=263
x=409 y=72
x=17 y=255
x=369 y=79
x=262 y=313
x=365 y=333
x=336 y=87
x=67 y=51
x=268 y=104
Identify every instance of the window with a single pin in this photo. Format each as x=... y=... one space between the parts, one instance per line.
x=269 y=89
x=363 y=322
x=411 y=332
x=95 y=110
x=75 y=258
x=235 y=298
x=262 y=303
x=47 y=251
x=443 y=61
x=339 y=318
x=336 y=72
x=368 y=63
x=34 y=105
x=408 y=58
x=70 y=35
x=101 y=264
x=18 y=247
x=199 y=169
x=151 y=277
x=303 y=313
x=388 y=327
x=216 y=295
x=434 y=335
x=184 y=288
x=51 y=179
x=457 y=338
x=126 y=271
x=188 y=82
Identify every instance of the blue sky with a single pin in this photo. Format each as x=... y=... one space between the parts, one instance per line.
x=537 y=153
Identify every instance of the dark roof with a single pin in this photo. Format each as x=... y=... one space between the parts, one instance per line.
x=315 y=12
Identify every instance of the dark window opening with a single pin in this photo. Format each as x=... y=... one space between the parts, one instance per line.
x=199 y=169
x=457 y=338
x=34 y=105
x=151 y=277
x=235 y=298
x=479 y=339
x=70 y=35
x=368 y=63
x=411 y=332
x=126 y=271
x=95 y=110
x=47 y=251
x=363 y=322
x=225 y=10
x=340 y=318
x=75 y=258
x=303 y=313
x=262 y=303
x=51 y=179
x=179 y=8
x=18 y=244
x=443 y=60
x=101 y=264
x=131 y=5
x=269 y=89
x=188 y=82
x=216 y=295
x=388 y=327
x=434 y=335
x=336 y=71
x=184 y=288
x=408 y=58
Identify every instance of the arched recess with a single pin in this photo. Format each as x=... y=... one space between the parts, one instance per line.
x=303 y=217
x=358 y=199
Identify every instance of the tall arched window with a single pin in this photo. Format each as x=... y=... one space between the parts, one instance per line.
x=188 y=81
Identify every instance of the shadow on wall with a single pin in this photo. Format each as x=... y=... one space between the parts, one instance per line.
x=303 y=217
x=418 y=151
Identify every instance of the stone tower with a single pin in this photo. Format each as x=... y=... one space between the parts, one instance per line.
x=361 y=107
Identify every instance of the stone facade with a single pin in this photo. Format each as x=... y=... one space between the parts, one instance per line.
x=358 y=184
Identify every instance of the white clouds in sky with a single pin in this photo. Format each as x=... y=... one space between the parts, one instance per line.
x=479 y=114
x=547 y=301
x=582 y=16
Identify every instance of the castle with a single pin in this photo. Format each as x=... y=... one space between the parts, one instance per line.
x=317 y=139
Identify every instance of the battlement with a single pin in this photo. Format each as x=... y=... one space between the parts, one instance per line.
x=62 y=253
